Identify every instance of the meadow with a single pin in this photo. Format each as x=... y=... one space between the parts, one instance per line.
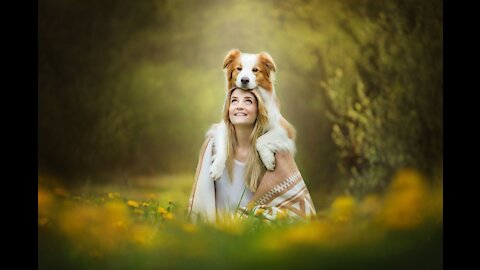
x=142 y=224
x=131 y=87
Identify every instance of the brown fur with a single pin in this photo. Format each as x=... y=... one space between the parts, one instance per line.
x=231 y=62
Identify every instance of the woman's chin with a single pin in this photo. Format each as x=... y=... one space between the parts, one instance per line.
x=243 y=123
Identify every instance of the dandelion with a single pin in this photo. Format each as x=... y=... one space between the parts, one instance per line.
x=259 y=211
x=168 y=216
x=112 y=195
x=98 y=227
x=307 y=234
x=162 y=211
x=342 y=209
x=405 y=200
x=132 y=203
x=370 y=205
x=142 y=235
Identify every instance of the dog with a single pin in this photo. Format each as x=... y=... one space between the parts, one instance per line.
x=249 y=71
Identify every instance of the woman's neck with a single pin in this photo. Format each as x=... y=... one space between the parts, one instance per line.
x=243 y=141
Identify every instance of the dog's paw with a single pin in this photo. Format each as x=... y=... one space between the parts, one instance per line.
x=268 y=159
x=216 y=170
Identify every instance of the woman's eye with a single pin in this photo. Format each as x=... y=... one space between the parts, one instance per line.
x=234 y=100
x=248 y=101
x=255 y=69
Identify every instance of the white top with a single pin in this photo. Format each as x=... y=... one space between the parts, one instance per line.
x=228 y=193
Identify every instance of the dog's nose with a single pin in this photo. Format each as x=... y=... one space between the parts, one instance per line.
x=244 y=80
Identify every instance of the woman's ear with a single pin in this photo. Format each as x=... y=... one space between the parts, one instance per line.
x=267 y=62
x=231 y=56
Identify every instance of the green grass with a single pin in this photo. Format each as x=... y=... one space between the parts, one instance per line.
x=86 y=228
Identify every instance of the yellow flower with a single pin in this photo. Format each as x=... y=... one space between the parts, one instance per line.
x=142 y=235
x=343 y=209
x=95 y=227
x=405 y=200
x=162 y=211
x=112 y=195
x=370 y=205
x=132 y=203
x=259 y=211
x=312 y=233
x=169 y=216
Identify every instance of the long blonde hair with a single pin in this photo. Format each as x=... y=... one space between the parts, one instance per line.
x=255 y=168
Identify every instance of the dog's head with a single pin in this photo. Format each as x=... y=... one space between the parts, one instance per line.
x=247 y=71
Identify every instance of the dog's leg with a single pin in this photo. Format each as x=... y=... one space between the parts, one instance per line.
x=266 y=155
x=219 y=134
x=275 y=140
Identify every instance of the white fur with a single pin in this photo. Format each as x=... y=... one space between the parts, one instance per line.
x=220 y=137
x=248 y=62
x=274 y=140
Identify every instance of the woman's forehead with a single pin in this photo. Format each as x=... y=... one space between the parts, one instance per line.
x=242 y=93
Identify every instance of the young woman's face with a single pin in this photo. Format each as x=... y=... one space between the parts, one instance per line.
x=243 y=108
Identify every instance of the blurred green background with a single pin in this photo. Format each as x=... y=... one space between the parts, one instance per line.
x=129 y=88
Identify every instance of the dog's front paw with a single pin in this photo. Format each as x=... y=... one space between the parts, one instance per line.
x=216 y=170
x=268 y=159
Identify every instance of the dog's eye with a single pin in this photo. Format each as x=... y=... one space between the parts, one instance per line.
x=255 y=69
x=239 y=68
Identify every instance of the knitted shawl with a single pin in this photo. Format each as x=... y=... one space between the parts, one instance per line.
x=281 y=192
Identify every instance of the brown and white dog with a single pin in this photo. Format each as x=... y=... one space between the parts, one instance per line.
x=249 y=71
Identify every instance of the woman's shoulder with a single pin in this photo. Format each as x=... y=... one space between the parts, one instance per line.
x=284 y=161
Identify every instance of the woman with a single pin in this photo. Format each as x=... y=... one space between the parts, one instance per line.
x=245 y=186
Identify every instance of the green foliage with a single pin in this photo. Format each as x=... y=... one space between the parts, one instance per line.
x=390 y=115
x=131 y=87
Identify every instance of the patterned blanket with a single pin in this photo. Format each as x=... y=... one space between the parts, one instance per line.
x=281 y=193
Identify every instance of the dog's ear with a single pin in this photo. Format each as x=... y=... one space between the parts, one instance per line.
x=267 y=61
x=231 y=56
